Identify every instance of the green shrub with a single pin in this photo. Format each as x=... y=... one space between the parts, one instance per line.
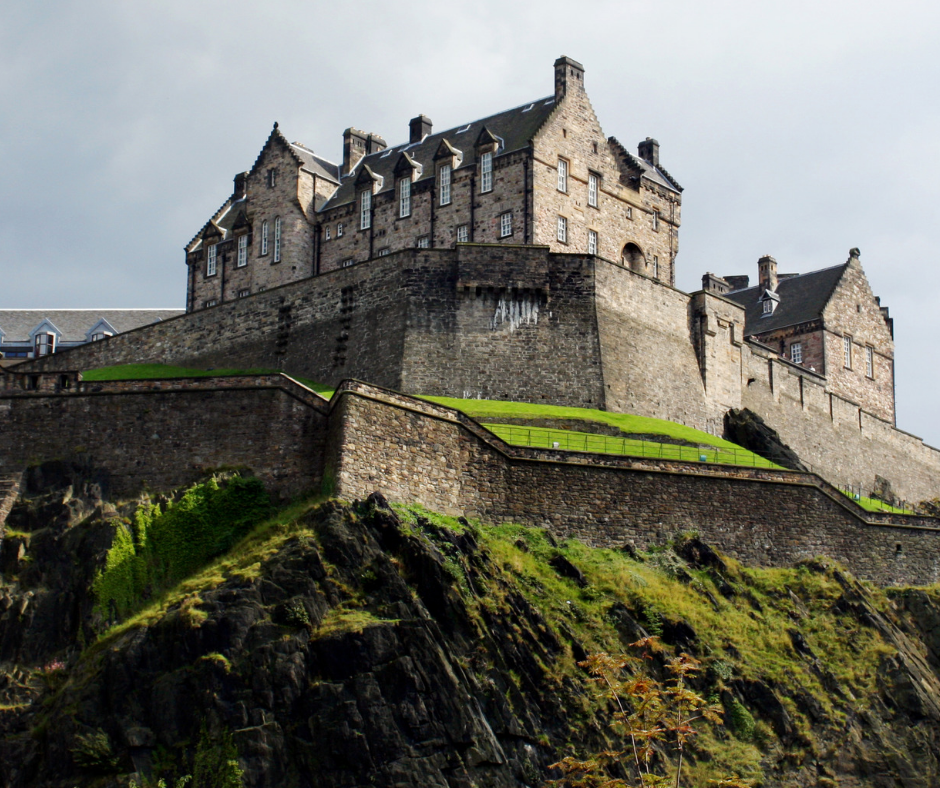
x=216 y=763
x=165 y=545
x=740 y=720
x=92 y=751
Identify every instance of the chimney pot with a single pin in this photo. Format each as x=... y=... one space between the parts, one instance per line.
x=649 y=151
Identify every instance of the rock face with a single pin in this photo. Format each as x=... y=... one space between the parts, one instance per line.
x=749 y=430
x=359 y=651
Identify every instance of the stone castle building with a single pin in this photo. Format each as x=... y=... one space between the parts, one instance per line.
x=543 y=173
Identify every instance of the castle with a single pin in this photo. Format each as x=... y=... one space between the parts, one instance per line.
x=523 y=257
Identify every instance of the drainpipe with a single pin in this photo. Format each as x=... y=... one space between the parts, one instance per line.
x=473 y=196
x=317 y=232
x=433 y=202
x=526 y=192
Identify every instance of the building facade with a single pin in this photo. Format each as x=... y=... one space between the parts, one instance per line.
x=542 y=173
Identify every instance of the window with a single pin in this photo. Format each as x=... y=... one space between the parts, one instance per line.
x=339 y=230
x=264 y=237
x=563 y=229
x=365 y=210
x=463 y=234
x=45 y=344
x=277 y=240
x=592 y=242
x=423 y=242
x=655 y=221
x=445 y=184
x=505 y=224
x=796 y=352
x=244 y=293
x=870 y=362
x=383 y=252
x=262 y=288
x=486 y=172
x=768 y=306
x=272 y=178
x=242 y=260
x=211 y=260
x=562 y=175
x=212 y=302
x=656 y=266
x=328 y=232
x=99 y=335
x=847 y=351
x=347 y=263
x=404 y=197
x=629 y=213
x=592 y=190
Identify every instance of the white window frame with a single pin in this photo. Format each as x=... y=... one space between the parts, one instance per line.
x=592 y=242
x=244 y=292
x=339 y=229
x=277 y=239
x=44 y=344
x=630 y=213
x=655 y=221
x=383 y=252
x=211 y=302
x=870 y=362
x=486 y=172
x=242 y=259
x=264 y=237
x=847 y=352
x=272 y=178
x=99 y=335
x=444 y=184
x=365 y=209
x=348 y=262
x=768 y=306
x=592 y=189
x=562 y=175
x=561 y=229
x=212 y=260
x=505 y=224
x=404 y=198
x=327 y=232
x=423 y=242
x=463 y=233
x=796 y=352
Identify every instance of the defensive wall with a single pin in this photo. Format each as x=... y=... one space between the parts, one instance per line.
x=521 y=323
x=161 y=434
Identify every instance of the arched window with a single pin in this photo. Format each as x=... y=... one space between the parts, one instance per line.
x=632 y=258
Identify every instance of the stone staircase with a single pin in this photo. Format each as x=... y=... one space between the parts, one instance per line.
x=9 y=491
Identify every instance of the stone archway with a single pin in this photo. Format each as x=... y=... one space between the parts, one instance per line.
x=633 y=258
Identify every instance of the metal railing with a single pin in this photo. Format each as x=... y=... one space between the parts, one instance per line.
x=867 y=500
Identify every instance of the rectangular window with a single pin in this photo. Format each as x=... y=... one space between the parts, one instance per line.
x=505 y=224
x=656 y=266
x=277 y=240
x=486 y=172
x=592 y=190
x=768 y=306
x=264 y=237
x=463 y=234
x=445 y=184
x=383 y=252
x=796 y=352
x=656 y=221
x=339 y=230
x=45 y=344
x=272 y=178
x=423 y=242
x=404 y=197
x=212 y=302
x=629 y=213
x=847 y=351
x=563 y=229
x=870 y=362
x=562 y=175
x=242 y=260
x=211 y=260
x=262 y=288
x=347 y=263
x=244 y=293
x=365 y=210
x=328 y=232
x=592 y=242
x=98 y=336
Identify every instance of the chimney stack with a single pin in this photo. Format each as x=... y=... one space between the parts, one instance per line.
x=241 y=182
x=420 y=128
x=569 y=74
x=354 y=148
x=649 y=151
x=767 y=273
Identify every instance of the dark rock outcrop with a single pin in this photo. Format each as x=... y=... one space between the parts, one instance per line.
x=749 y=430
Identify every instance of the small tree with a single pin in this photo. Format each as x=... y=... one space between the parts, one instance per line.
x=648 y=714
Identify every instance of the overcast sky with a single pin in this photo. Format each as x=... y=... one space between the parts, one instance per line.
x=798 y=129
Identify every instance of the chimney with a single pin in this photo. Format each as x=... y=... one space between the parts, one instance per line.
x=767 y=273
x=568 y=74
x=420 y=128
x=715 y=284
x=241 y=182
x=649 y=151
x=374 y=144
x=354 y=148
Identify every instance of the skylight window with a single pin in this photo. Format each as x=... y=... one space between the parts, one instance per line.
x=529 y=107
x=465 y=128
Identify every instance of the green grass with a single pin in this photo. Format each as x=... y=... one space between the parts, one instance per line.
x=169 y=372
x=569 y=440
x=875 y=505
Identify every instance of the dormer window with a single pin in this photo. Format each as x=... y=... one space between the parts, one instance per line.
x=768 y=307
x=486 y=172
x=242 y=259
x=211 y=259
x=444 y=184
x=44 y=344
x=562 y=175
x=99 y=335
x=769 y=302
x=404 y=197
x=365 y=210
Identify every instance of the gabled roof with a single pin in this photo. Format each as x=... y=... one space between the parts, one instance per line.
x=802 y=299
x=513 y=128
x=305 y=157
x=643 y=168
x=74 y=324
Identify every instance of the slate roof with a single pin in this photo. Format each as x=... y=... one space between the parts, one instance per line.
x=514 y=128
x=802 y=298
x=16 y=324
x=316 y=164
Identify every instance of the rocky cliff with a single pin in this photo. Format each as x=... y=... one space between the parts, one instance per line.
x=363 y=644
